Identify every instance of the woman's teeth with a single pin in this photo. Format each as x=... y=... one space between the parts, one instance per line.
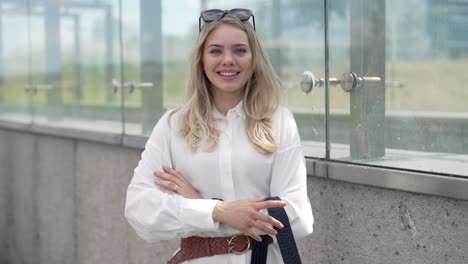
x=228 y=73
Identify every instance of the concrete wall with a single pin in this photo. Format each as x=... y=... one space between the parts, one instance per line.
x=61 y=201
x=4 y=172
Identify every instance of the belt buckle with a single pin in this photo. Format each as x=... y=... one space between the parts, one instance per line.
x=230 y=242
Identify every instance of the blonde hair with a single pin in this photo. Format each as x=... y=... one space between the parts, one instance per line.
x=261 y=96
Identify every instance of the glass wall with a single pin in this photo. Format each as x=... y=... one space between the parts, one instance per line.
x=157 y=39
x=15 y=56
x=66 y=54
x=397 y=81
x=426 y=96
x=408 y=109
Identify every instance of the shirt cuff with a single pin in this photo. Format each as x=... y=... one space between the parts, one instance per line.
x=197 y=214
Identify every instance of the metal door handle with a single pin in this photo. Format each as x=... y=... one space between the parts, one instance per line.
x=115 y=85
x=131 y=85
x=348 y=81
x=27 y=88
x=37 y=87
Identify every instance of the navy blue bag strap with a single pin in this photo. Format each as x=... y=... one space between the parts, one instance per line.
x=260 y=250
x=285 y=237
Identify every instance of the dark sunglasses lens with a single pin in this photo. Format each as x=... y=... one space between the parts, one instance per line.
x=242 y=14
x=212 y=15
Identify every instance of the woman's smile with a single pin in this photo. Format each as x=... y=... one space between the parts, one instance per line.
x=228 y=75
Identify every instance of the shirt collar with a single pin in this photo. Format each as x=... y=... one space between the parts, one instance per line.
x=238 y=110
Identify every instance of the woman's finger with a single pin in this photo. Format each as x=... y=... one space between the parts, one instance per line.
x=163 y=188
x=258 y=199
x=269 y=204
x=169 y=185
x=269 y=219
x=251 y=232
x=265 y=228
x=175 y=174
x=168 y=191
x=168 y=177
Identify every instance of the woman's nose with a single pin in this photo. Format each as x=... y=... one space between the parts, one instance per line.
x=228 y=59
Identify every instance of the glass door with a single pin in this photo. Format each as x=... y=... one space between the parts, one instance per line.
x=157 y=40
x=357 y=79
x=142 y=65
x=398 y=85
x=15 y=93
x=44 y=38
x=76 y=66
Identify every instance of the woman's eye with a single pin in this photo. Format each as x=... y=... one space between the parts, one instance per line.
x=240 y=51
x=215 y=51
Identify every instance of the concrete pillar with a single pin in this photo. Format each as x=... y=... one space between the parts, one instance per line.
x=5 y=161
x=22 y=220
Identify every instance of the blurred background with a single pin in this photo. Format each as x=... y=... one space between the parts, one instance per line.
x=118 y=65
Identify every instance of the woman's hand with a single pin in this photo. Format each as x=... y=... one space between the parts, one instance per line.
x=244 y=215
x=173 y=182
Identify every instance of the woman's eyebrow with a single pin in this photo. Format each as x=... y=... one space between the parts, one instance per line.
x=240 y=45
x=222 y=46
x=215 y=45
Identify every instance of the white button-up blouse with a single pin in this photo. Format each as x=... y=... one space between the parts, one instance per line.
x=233 y=171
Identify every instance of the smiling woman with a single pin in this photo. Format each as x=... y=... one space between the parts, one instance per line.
x=227 y=62
x=230 y=140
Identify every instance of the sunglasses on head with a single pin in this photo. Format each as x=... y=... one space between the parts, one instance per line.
x=211 y=15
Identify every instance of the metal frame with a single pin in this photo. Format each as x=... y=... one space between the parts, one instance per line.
x=403 y=180
x=438 y=184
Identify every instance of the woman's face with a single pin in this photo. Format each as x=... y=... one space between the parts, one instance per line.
x=227 y=60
